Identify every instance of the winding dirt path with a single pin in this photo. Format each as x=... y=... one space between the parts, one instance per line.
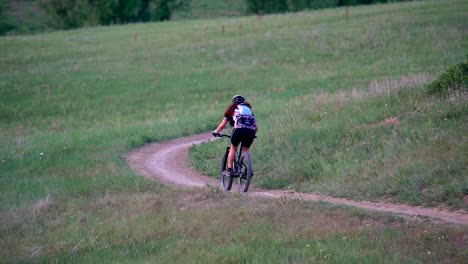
x=166 y=162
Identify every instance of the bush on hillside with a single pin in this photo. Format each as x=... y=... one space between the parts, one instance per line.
x=5 y=25
x=67 y=14
x=455 y=78
x=267 y=6
x=112 y=12
x=77 y=13
x=298 y=5
x=280 y=6
x=121 y=12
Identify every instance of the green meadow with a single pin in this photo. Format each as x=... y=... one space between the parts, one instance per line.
x=342 y=109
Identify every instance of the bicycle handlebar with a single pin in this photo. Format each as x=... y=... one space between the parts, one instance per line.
x=224 y=135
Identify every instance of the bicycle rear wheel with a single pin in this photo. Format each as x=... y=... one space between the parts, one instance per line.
x=245 y=169
x=226 y=182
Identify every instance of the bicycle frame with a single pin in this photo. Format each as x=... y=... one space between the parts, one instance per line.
x=235 y=165
x=242 y=168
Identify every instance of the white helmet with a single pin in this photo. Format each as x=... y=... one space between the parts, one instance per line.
x=238 y=99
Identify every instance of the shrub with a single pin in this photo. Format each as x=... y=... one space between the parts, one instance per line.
x=455 y=78
x=77 y=13
x=5 y=25
x=267 y=6
x=120 y=12
x=68 y=14
x=298 y=5
x=279 y=6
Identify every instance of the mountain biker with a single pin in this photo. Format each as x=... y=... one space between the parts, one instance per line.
x=240 y=116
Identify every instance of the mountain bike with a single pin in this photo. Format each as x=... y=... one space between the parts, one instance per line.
x=242 y=169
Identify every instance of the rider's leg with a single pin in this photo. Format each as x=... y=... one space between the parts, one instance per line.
x=231 y=156
x=245 y=150
x=235 y=140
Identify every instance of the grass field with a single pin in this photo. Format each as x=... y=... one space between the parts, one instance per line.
x=342 y=111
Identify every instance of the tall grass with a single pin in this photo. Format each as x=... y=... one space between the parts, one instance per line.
x=339 y=141
x=400 y=146
x=73 y=103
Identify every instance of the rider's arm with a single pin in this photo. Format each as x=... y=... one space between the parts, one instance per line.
x=221 y=125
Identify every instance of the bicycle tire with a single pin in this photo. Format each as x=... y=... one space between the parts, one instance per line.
x=245 y=163
x=226 y=182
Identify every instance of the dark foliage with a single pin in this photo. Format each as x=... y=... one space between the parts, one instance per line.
x=267 y=6
x=5 y=25
x=454 y=79
x=78 y=13
x=280 y=6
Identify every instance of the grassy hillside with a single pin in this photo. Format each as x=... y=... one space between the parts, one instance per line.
x=346 y=112
x=325 y=90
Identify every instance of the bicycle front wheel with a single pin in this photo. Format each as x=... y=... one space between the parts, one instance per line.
x=226 y=182
x=245 y=169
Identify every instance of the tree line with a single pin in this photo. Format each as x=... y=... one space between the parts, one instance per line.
x=282 y=6
x=77 y=13
x=69 y=14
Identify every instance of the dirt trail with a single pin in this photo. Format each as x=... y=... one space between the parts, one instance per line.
x=167 y=162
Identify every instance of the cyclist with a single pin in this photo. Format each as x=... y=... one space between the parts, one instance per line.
x=240 y=116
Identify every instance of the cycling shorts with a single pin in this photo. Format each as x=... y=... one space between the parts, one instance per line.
x=243 y=135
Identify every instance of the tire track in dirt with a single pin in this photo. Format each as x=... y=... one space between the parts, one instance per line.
x=167 y=162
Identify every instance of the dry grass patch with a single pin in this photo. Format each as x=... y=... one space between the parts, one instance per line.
x=384 y=87
x=375 y=88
